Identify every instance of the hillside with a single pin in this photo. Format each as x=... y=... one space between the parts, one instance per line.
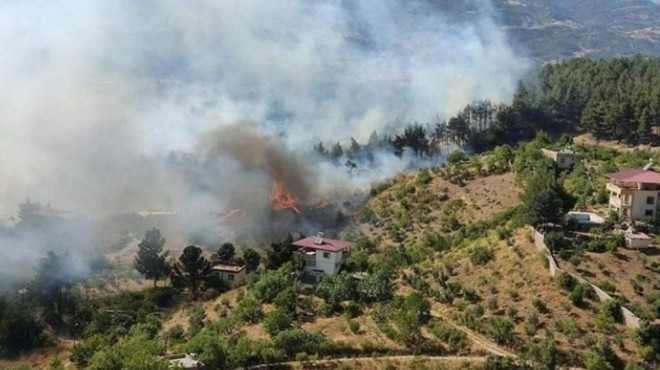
x=552 y=30
x=443 y=272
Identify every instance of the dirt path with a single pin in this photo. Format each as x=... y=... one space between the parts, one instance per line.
x=479 y=339
x=479 y=359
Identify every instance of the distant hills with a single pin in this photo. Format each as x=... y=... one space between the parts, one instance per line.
x=559 y=29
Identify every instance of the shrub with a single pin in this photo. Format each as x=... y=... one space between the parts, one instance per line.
x=612 y=308
x=540 y=305
x=577 y=295
x=249 y=310
x=352 y=310
x=500 y=329
x=554 y=241
x=456 y=339
x=424 y=177
x=175 y=333
x=531 y=324
x=493 y=304
x=566 y=281
x=455 y=157
x=271 y=284
x=277 y=321
x=481 y=255
x=354 y=326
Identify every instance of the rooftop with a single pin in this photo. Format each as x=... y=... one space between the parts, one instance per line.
x=640 y=175
x=638 y=236
x=329 y=245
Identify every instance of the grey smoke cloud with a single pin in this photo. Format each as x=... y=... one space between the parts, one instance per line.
x=92 y=89
x=95 y=94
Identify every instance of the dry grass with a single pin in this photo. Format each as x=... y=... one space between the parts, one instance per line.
x=515 y=278
x=337 y=329
x=590 y=140
x=413 y=208
x=619 y=270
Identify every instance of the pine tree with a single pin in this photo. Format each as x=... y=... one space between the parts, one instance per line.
x=149 y=260
x=191 y=270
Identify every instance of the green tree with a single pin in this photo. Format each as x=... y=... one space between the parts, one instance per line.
x=252 y=259
x=281 y=252
x=554 y=241
x=249 y=310
x=271 y=284
x=226 y=253
x=544 y=201
x=19 y=330
x=56 y=274
x=544 y=355
x=277 y=321
x=149 y=261
x=191 y=270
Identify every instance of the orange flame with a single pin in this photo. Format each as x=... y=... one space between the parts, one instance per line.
x=282 y=200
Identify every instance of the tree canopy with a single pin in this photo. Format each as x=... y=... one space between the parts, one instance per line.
x=191 y=270
x=149 y=260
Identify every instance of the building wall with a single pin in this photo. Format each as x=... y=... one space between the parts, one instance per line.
x=637 y=243
x=331 y=264
x=639 y=205
x=224 y=275
x=632 y=202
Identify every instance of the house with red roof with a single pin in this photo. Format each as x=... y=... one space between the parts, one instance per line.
x=322 y=256
x=634 y=194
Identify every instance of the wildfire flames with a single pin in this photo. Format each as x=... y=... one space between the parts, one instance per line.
x=282 y=200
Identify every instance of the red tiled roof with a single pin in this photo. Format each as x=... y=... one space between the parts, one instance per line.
x=638 y=175
x=330 y=245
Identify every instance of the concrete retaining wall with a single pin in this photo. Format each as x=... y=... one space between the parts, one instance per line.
x=629 y=318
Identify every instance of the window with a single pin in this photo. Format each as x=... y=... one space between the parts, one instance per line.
x=648 y=212
x=650 y=200
x=326 y=255
x=230 y=277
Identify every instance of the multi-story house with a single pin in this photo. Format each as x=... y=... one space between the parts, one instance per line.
x=322 y=256
x=635 y=194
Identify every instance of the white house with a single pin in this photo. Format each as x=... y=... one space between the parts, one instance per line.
x=635 y=194
x=322 y=256
x=228 y=272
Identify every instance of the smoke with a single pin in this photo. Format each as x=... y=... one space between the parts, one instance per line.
x=97 y=94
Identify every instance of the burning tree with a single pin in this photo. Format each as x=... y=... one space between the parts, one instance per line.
x=282 y=200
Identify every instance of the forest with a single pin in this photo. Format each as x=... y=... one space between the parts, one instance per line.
x=613 y=99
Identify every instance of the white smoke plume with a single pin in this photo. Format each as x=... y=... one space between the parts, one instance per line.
x=95 y=94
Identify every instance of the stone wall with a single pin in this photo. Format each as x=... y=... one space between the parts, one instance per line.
x=630 y=319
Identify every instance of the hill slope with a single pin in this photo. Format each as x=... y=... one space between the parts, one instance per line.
x=560 y=29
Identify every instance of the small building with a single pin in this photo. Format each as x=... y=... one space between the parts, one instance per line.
x=184 y=361
x=634 y=194
x=322 y=256
x=637 y=240
x=564 y=158
x=228 y=272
